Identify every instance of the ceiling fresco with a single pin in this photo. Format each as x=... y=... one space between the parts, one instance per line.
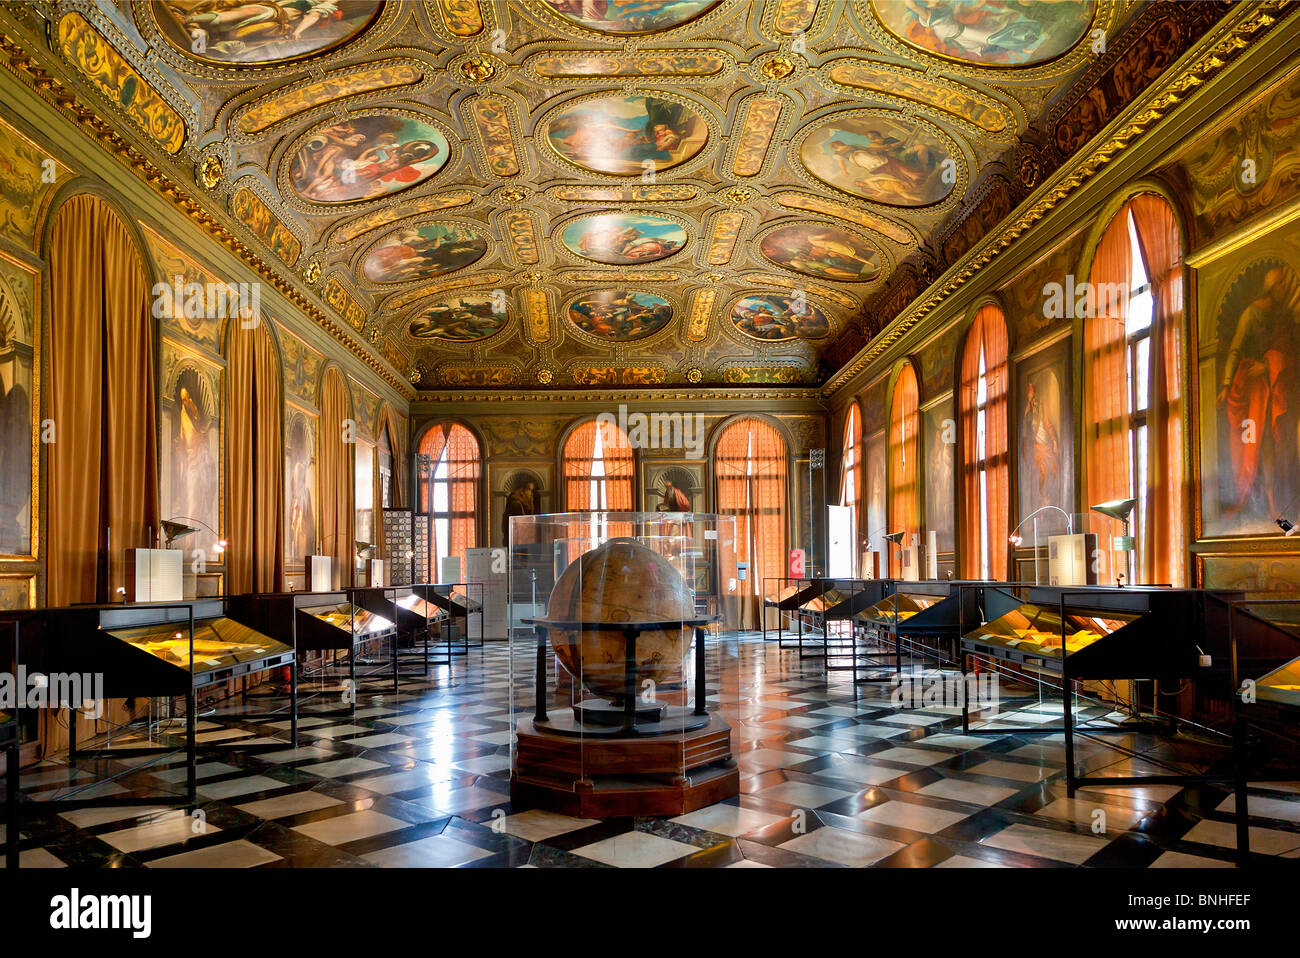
x=579 y=192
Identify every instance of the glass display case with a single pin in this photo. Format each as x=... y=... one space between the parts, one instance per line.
x=897 y=607
x=218 y=644
x=1035 y=630
x=613 y=669
x=339 y=625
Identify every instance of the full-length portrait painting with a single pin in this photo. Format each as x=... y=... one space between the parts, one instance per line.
x=1044 y=424
x=17 y=356
x=299 y=485
x=190 y=452
x=1250 y=387
x=938 y=434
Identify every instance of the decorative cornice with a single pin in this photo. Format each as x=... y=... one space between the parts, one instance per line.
x=1156 y=103
x=692 y=394
x=63 y=98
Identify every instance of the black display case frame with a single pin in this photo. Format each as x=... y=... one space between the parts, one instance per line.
x=10 y=740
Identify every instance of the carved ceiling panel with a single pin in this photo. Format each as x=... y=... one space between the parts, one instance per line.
x=596 y=192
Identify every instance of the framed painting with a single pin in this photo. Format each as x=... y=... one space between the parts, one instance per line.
x=1044 y=435
x=1248 y=377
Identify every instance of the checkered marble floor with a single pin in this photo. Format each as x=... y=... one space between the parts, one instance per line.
x=831 y=775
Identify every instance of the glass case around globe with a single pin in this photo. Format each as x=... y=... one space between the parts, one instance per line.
x=619 y=627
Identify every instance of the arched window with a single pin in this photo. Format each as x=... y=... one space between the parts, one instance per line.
x=851 y=479
x=1133 y=401
x=985 y=494
x=598 y=468
x=449 y=465
x=904 y=464
x=749 y=461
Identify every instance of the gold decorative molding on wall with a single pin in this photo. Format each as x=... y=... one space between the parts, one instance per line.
x=284 y=104
x=265 y=225
x=537 y=309
x=697 y=322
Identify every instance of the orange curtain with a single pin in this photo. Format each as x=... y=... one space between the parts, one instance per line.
x=987 y=335
x=464 y=468
x=103 y=466
x=749 y=461
x=399 y=439
x=334 y=474
x=904 y=462
x=254 y=461
x=1105 y=374
x=579 y=459
x=1163 y=545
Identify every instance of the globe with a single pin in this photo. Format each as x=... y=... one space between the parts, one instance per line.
x=620 y=581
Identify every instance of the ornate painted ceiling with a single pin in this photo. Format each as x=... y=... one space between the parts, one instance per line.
x=612 y=192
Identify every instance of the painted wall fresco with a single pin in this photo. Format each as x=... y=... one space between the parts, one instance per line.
x=18 y=355
x=623 y=238
x=302 y=366
x=1250 y=386
x=825 y=252
x=366 y=157
x=620 y=315
x=1044 y=431
x=937 y=438
x=27 y=174
x=773 y=318
x=423 y=251
x=300 y=513
x=629 y=16
x=463 y=319
x=269 y=31
x=190 y=444
x=890 y=161
x=994 y=32
x=181 y=272
x=626 y=135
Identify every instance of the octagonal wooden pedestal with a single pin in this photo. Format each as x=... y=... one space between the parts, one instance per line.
x=612 y=777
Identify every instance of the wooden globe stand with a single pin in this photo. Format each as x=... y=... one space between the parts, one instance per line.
x=624 y=758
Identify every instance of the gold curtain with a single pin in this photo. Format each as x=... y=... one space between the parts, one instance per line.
x=904 y=462
x=1163 y=545
x=749 y=461
x=103 y=466
x=254 y=461
x=334 y=474
x=988 y=333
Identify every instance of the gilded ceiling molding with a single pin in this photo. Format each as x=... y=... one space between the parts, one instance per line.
x=724 y=234
x=697 y=321
x=494 y=130
x=99 y=62
x=812 y=289
x=460 y=18
x=1155 y=104
x=600 y=66
x=695 y=395
x=665 y=193
x=252 y=211
x=521 y=231
x=287 y=103
x=760 y=125
x=537 y=314
x=872 y=221
x=386 y=215
x=580 y=276
x=65 y=100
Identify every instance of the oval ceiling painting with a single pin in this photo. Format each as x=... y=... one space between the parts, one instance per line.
x=822 y=251
x=626 y=135
x=620 y=315
x=367 y=157
x=623 y=238
x=992 y=32
x=882 y=159
x=462 y=319
x=774 y=318
x=266 y=31
x=423 y=251
x=630 y=16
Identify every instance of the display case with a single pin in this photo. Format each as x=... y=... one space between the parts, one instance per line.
x=1033 y=633
x=610 y=697
x=164 y=652
x=9 y=746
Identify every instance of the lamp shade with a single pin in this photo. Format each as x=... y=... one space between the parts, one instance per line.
x=1119 y=509
x=895 y=537
x=173 y=530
